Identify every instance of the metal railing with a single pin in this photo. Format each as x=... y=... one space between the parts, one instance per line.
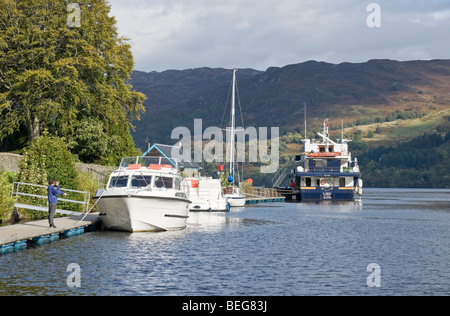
x=324 y=169
x=280 y=176
x=19 y=188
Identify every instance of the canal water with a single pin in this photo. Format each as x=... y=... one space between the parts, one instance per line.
x=393 y=242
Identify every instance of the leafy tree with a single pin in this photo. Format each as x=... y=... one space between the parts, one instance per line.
x=90 y=141
x=52 y=75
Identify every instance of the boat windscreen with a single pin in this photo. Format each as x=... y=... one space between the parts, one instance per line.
x=118 y=182
x=140 y=181
x=164 y=182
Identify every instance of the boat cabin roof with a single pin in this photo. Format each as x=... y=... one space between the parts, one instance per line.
x=156 y=164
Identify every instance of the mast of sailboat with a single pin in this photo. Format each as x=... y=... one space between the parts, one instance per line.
x=233 y=123
x=304 y=105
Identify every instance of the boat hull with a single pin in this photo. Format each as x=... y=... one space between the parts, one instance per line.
x=331 y=193
x=235 y=201
x=133 y=213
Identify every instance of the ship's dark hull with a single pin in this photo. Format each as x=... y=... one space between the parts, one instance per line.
x=322 y=193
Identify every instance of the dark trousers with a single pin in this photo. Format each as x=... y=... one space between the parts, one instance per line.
x=51 y=213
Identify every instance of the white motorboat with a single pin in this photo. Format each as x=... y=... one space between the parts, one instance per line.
x=206 y=194
x=144 y=194
x=234 y=196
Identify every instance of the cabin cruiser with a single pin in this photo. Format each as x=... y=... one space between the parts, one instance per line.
x=206 y=194
x=144 y=194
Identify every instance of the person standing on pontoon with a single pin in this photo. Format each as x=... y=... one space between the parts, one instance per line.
x=53 y=191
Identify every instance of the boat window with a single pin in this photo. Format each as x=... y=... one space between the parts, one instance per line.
x=118 y=182
x=177 y=184
x=320 y=163
x=228 y=190
x=334 y=164
x=140 y=181
x=163 y=182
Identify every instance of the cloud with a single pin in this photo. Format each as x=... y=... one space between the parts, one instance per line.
x=180 y=34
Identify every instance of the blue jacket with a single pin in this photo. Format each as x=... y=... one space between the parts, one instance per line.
x=53 y=194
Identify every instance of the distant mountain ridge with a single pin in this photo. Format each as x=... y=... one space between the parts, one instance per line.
x=275 y=97
x=172 y=88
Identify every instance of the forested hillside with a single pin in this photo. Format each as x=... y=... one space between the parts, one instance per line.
x=419 y=163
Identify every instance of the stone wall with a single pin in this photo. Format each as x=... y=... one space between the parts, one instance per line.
x=10 y=162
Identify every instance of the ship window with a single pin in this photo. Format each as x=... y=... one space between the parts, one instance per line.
x=308 y=182
x=118 y=182
x=336 y=164
x=342 y=182
x=320 y=163
x=164 y=182
x=140 y=181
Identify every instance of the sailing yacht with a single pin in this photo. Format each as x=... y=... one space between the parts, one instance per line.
x=233 y=193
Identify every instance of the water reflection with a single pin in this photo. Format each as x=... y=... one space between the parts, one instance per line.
x=331 y=206
x=213 y=222
x=206 y=221
x=407 y=199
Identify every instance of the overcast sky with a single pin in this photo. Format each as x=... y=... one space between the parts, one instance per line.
x=182 y=34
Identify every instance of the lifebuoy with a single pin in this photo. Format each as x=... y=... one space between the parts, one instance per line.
x=323 y=182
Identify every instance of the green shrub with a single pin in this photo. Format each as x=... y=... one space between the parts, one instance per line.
x=6 y=204
x=88 y=184
x=47 y=157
